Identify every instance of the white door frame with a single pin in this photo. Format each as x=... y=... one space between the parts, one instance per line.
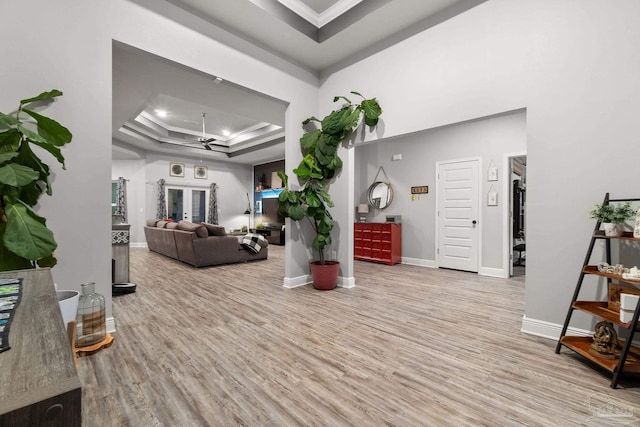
x=186 y=197
x=480 y=224
x=507 y=247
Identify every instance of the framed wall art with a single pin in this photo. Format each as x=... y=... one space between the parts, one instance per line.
x=200 y=172
x=176 y=169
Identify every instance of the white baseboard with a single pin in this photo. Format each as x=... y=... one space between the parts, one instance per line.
x=549 y=330
x=430 y=263
x=492 y=272
x=420 y=262
x=296 y=282
x=347 y=282
x=138 y=244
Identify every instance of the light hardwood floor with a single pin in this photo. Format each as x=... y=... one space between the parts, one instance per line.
x=408 y=346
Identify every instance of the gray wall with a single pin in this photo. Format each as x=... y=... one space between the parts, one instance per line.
x=488 y=139
x=574 y=66
x=233 y=180
x=68 y=46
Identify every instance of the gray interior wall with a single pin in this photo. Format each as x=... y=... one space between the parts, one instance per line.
x=69 y=52
x=233 y=181
x=488 y=139
x=573 y=65
x=68 y=46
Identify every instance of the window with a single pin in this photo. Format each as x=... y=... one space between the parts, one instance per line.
x=114 y=196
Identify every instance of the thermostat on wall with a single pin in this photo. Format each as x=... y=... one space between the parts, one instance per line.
x=396 y=219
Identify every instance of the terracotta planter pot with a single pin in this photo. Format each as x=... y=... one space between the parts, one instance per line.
x=325 y=276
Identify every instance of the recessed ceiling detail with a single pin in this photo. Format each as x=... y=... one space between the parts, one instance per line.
x=320 y=27
x=319 y=15
x=172 y=129
x=239 y=125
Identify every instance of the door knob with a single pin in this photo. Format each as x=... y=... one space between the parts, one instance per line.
x=474 y=222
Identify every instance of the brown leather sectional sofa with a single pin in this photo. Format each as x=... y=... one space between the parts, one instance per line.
x=199 y=245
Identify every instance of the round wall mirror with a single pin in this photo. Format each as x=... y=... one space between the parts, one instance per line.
x=380 y=194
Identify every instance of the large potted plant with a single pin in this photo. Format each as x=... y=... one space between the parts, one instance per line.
x=612 y=217
x=319 y=166
x=25 y=240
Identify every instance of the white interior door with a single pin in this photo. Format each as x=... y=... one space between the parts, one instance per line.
x=189 y=204
x=458 y=215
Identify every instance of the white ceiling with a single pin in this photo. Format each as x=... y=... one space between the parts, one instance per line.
x=318 y=36
x=144 y=83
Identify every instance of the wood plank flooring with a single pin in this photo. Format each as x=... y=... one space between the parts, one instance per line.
x=408 y=346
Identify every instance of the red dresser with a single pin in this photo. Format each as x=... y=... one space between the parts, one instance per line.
x=378 y=242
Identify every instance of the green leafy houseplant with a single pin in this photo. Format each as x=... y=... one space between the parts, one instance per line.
x=614 y=214
x=321 y=164
x=26 y=242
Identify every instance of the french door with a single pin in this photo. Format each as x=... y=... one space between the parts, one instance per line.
x=189 y=204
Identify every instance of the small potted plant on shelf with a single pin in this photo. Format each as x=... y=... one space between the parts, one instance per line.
x=612 y=217
x=315 y=172
x=25 y=240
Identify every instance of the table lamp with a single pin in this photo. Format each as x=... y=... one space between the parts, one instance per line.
x=363 y=210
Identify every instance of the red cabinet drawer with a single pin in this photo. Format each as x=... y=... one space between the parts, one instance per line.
x=379 y=242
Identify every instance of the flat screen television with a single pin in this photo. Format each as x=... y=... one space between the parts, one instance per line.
x=270 y=212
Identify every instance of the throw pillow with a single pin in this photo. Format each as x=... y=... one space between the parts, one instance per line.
x=161 y=224
x=253 y=242
x=152 y=222
x=200 y=230
x=172 y=225
x=215 y=230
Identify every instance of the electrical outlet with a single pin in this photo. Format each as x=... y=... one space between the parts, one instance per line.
x=333 y=255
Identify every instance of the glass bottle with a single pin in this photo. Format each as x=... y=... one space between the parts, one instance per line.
x=91 y=320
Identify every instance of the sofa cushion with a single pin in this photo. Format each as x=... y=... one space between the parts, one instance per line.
x=172 y=225
x=162 y=224
x=152 y=222
x=215 y=230
x=199 y=229
x=253 y=242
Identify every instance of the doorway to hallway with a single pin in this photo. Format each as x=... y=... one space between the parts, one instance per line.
x=517 y=219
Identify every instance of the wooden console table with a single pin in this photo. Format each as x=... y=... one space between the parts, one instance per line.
x=275 y=235
x=40 y=384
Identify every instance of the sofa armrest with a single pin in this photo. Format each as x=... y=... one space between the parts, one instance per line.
x=184 y=246
x=215 y=250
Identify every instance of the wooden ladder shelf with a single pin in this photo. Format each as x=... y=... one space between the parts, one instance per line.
x=628 y=360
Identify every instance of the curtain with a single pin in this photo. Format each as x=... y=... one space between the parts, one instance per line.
x=121 y=198
x=213 y=204
x=161 y=204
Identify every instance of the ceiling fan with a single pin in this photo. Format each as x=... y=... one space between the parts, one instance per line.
x=204 y=140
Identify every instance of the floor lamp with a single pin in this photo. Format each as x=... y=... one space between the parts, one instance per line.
x=248 y=211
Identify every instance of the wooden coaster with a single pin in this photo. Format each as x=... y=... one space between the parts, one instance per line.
x=94 y=348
